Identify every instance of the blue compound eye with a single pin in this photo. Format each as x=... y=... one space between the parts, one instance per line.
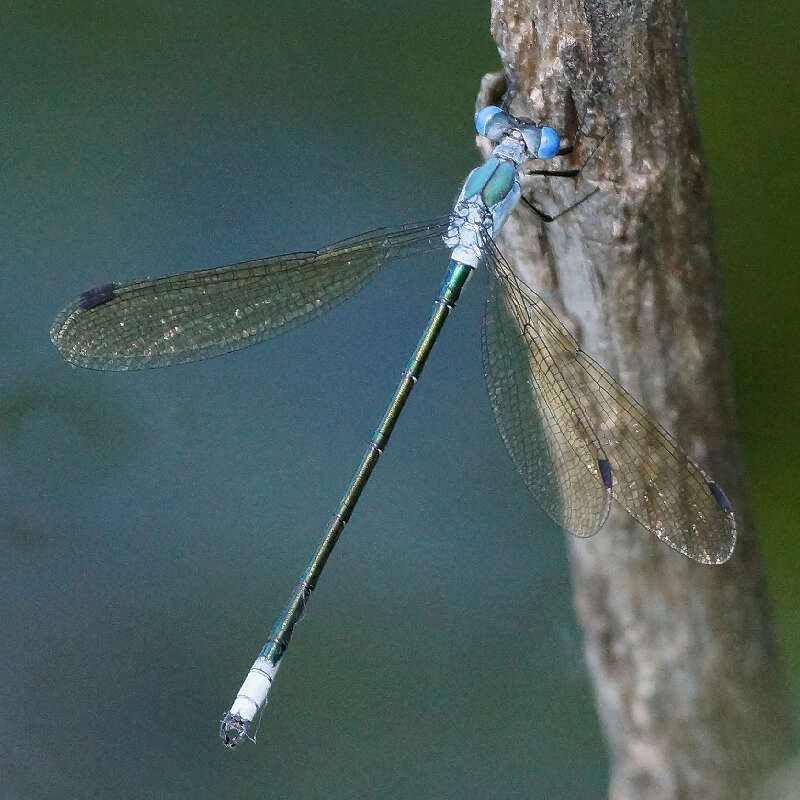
x=548 y=144
x=493 y=122
x=541 y=142
x=484 y=116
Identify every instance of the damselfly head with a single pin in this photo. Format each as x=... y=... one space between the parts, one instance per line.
x=540 y=141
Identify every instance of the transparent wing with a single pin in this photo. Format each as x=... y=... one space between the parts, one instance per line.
x=205 y=313
x=650 y=475
x=539 y=418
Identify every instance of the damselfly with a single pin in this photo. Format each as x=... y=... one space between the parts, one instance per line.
x=576 y=436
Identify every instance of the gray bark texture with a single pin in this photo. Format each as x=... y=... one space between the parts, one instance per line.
x=682 y=656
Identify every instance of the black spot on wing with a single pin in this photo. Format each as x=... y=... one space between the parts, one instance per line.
x=605 y=472
x=720 y=497
x=98 y=296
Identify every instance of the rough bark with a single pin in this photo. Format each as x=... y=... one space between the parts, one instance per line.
x=682 y=656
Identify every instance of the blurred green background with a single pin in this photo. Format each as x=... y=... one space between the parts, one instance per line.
x=154 y=523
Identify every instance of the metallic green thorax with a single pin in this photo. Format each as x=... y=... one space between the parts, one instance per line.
x=493 y=179
x=454 y=282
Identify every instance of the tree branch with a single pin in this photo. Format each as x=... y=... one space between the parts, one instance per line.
x=682 y=656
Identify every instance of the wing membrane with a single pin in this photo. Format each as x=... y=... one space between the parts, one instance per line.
x=653 y=478
x=540 y=420
x=205 y=313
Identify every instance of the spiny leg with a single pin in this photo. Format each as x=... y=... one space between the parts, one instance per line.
x=563 y=173
x=550 y=218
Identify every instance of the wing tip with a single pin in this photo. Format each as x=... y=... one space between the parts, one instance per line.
x=65 y=330
x=727 y=509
